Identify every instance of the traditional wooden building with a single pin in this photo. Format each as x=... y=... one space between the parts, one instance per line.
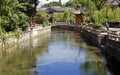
x=114 y=3
x=78 y=16
x=53 y=10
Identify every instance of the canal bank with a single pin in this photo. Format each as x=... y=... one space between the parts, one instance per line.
x=107 y=41
x=61 y=52
x=10 y=43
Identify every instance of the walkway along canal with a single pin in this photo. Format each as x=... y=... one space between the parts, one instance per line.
x=61 y=52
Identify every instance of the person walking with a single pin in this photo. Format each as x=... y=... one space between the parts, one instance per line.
x=107 y=25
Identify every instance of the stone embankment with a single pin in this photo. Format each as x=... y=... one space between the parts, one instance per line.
x=36 y=31
x=107 y=41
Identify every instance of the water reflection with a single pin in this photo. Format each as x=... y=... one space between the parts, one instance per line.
x=64 y=53
x=68 y=54
x=22 y=56
x=113 y=64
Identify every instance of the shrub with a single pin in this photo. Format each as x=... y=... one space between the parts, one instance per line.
x=40 y=16
x=65 y=16
x=97 y=25
x=58 y=17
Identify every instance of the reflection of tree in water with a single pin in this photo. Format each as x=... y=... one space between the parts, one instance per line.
x=97 y=67
x=16 y=63
x=94 y=63
x=21 y=60
x=112 y=64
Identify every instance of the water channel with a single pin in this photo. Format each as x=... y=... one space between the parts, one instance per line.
x=61 y=52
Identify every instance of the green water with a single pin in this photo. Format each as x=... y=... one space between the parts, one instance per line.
x=61 y=52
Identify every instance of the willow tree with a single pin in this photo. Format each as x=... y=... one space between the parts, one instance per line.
x=99 y=3
x=66 y=15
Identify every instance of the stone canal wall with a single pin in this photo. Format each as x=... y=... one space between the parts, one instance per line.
x=112 y=48
x=35 y=32
x=103 y=39
x=27 y=35
x=94 y=37
x=31 y=34
x=108 y=43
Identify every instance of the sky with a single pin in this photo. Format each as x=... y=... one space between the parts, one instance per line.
x=45 y=1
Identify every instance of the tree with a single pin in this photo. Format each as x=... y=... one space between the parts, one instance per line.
x=10 y=14
x=99 y=3
x=40 y=15
x=30 y=6
x=66 y=16
x=69 y=4
x=60 y=1
x=52 y=4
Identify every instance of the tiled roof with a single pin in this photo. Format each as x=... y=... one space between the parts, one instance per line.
x=54 y=9
x=58 y=8
x=114 y=2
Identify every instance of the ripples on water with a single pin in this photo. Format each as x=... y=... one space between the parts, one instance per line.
x=62 y=53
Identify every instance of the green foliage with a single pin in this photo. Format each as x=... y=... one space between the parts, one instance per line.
x=17 y=62
x=11 y=16
x=42 y=18
x=81 y=3
x=23 y=20
x=113 y=15
x=99 y=3
x=60 y=1
x=106 y=14
x=97 y=25
x=95 y=11
x=89 y=4
x=40 y=15
x=99 y=19
x=45 y=23
x=30 y=6
x=66 y=16
x=52 y=4
x=17 y=34
x=58 y=17
x=69 y=4
x=3 y=36
x=97 y=66
x=86 y=19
